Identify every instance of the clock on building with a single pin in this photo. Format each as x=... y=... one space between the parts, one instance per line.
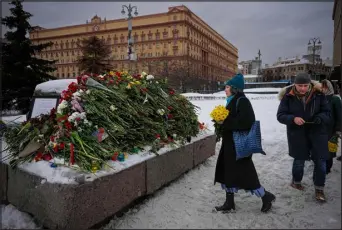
x=96 y=28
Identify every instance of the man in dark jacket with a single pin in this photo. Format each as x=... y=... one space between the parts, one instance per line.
x=306 y=113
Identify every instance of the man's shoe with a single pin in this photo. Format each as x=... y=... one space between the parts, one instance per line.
x=297 y=186
x=320 y=195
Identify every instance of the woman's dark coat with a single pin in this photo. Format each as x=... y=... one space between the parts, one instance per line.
x=309 y=139
x=336 y=117
x=241 y=173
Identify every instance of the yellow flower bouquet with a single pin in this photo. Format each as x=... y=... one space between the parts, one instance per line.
x=218 y=115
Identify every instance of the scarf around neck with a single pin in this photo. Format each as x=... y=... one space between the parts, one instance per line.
x=229 y=99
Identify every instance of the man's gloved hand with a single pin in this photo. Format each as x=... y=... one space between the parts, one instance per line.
x=317 y=120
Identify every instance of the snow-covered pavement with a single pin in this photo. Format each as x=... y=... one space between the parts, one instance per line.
x=189 y=201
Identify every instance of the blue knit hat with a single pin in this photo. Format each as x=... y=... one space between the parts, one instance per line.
x=237 y=82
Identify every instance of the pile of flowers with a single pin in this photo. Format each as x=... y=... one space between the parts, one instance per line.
x=106 y=117
x=218 y=115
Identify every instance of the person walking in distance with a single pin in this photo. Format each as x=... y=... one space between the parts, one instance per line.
x=334 y=128
x=305 y=111
x=231 y=173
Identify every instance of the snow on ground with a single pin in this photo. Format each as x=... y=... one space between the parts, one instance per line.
x=189 y=201
x=222 y=93
x=252 y=90
x=262 y=90
x=11 y=218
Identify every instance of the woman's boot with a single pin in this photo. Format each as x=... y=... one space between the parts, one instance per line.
x=228 y=205
x=267 y=201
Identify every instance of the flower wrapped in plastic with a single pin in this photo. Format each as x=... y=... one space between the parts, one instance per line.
x=333 y=143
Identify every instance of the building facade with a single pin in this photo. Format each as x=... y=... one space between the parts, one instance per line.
x=251 y=66
x=161 y=41
x=288 y=68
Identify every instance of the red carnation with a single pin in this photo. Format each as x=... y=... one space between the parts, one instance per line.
x=157 y=136
x=169 y=116
x=68 y=125
x=61 y=145
x=72 y=87
x=115 y=156
x=78 y=79
x=38 y=157
x=47 y=157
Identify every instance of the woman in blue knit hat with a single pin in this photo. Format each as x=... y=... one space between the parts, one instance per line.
x=231 y=173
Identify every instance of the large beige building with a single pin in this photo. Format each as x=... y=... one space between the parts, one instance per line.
x=160 y=41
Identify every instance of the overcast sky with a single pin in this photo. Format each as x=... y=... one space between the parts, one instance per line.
x=277 y=29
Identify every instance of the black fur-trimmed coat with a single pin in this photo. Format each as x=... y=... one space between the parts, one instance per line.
x=309 y=141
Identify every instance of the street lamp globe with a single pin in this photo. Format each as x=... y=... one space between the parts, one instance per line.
x=319 y=41
x=136 y=13
x=122 y=11
x=309 y=43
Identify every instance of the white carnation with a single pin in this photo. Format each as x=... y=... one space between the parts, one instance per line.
x=113 y=108
x=161 y=111
x=83 y=115
x=149 y=77
x=76 y=94
x=62 y=106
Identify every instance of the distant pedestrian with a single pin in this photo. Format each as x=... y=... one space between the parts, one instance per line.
x=334 y=128
x=305 y=111
x=231 y=173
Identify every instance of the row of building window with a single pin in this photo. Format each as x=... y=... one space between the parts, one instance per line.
x=122 y=49
x=194 y=48
x=123 y=39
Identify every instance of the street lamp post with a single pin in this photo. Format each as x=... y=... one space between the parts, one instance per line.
x=130 y=40
x=314 y=40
